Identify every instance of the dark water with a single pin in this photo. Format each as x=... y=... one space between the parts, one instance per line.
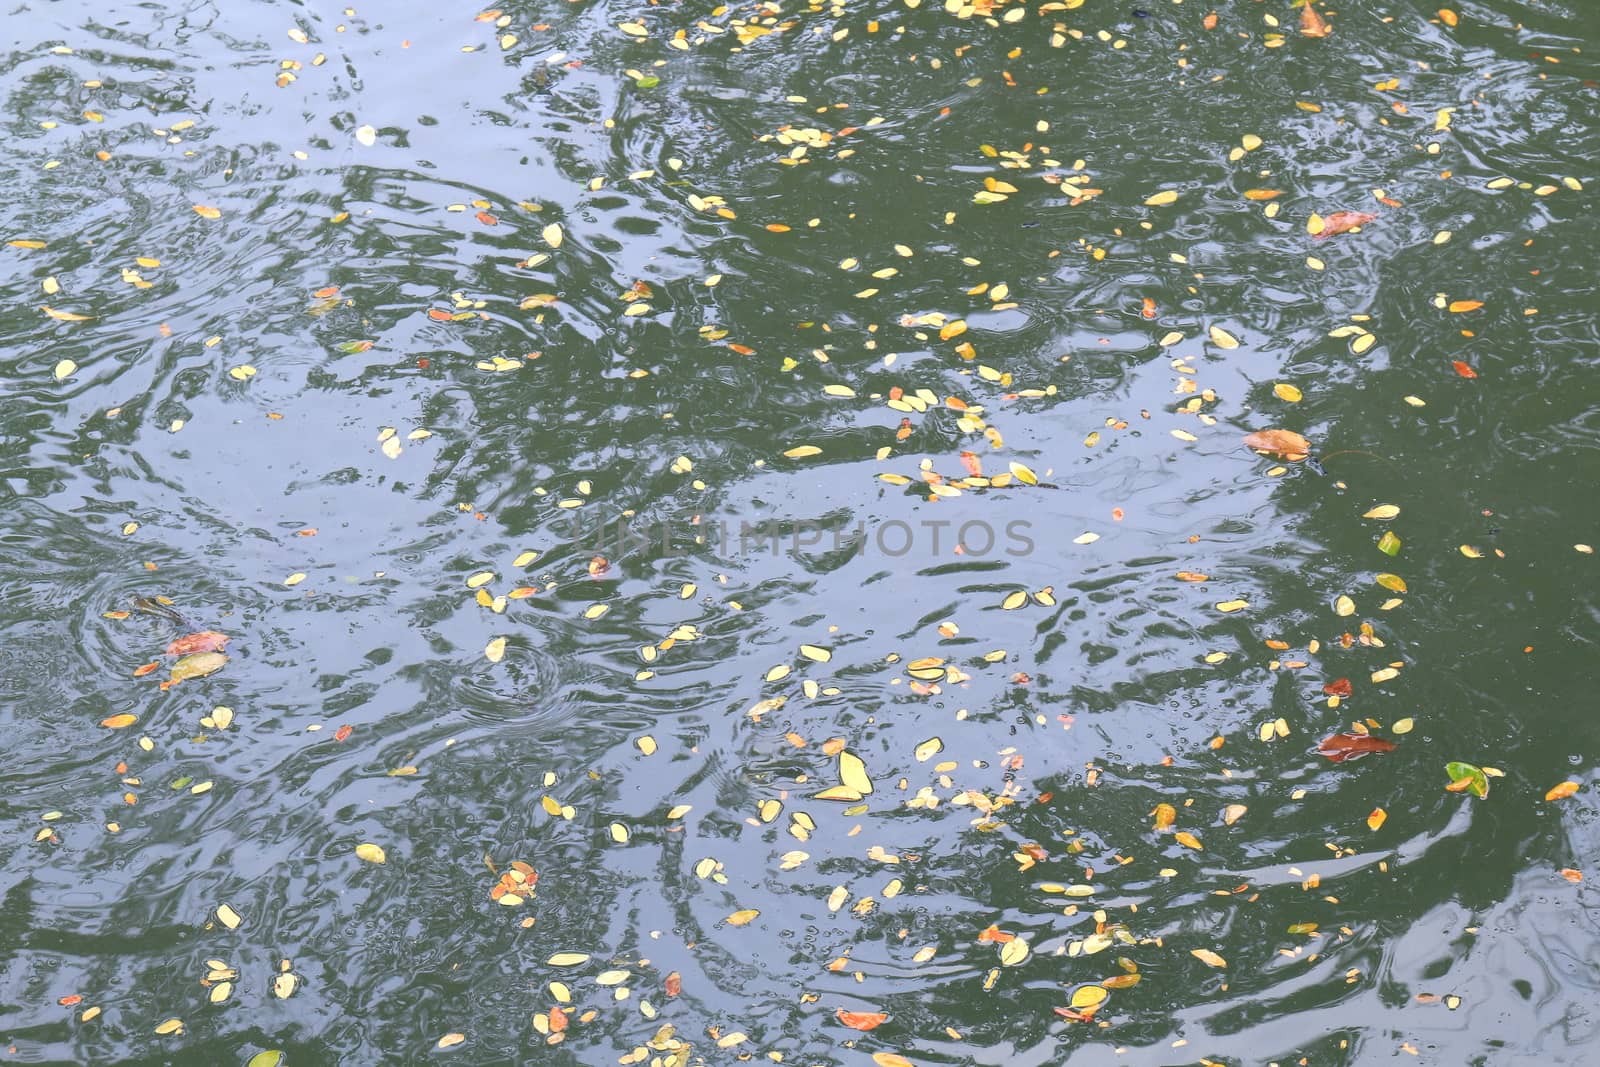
x=636 y=393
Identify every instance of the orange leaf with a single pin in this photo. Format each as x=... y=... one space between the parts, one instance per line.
x=117 y=722
x=487 y=219
x=1571 y=875
x=558 y=1019
x=995 y=935
x=1562 y=791
x=973 y=464
x=1311 y=23
x=144 y=669
x=1459 y=306
x=70 y=999
x=1285 y=443
x=862 y=1020
x=343 y=732
x=323 y=294
x=439 y=315
x=1463 y=369
x=743 y=350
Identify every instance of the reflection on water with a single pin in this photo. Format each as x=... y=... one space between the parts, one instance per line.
x=347 y=333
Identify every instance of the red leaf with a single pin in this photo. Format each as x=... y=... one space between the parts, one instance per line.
x=1463 y=369
x=343 y=732
x=1340 y=221
x=204 y=641
x=70 y=999
x=674 y=984
x=1339 y=687
x=973 y=464
x=487 y=219
x=1340 y=747
x=862 y=1020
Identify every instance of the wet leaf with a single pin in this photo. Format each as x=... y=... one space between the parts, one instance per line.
x=1342 y=746
x=1188 y=840
x=197 y=665
x=371 y=853
x=207 y=212
x=204 y=641
x=891 y=1059
x=65 y=316
x=1340 y=222
x=1463 y=369
x=1562 y=791
x=270 y=1058
x=1222 y=338
x=1465 y=778
x=117 y=722
x=1339 y=687
x=1013 y=952
x=1287 y=392
x=1088 y=996
x=853 y=773
x=1389 y=544
x=1376 y=818
x=1459 y=306
x=1207 y=957
x=568 y=959
x=64 y=369
x=495 y=650
x=451 y=1039
x=862 y=1020
x=1392 y=582
x=743 y=917
x=1381 y=511
x=1165 y=816
x=1283 y=443
x=553 y=235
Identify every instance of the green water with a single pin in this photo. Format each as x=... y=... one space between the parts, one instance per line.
x=636 y=738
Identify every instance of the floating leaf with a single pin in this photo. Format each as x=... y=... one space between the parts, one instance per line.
x=366 y=135
x=1207 y=957
x=1284 y=443
x=1024 y=474
x=891 y=1059
x=1165 y=816
x=1389 y=544
x=371 y=853
x=495 y=650
x=1165 y=196
x=204 y=641
x=65 y=316
x=1188 y=840
x=1392 y=582
x=862 y=1020
x=451 y=1039
x=568 y=959
x=64 y=370
x=117 y=722
x=853 y=773
x=1381 y=511
x=1459 y=306
x=1562 y=791
x=1013 y=952
x=1222 y=338
x=270 y=1058
x=1233 y=813
x=553 y=235
x=1341 y=747
x=1285 y=391
x=1376 y=818
x=1465 y=778
x=743 y=917
x=1463 y=369
x=1341 y=222
x=197 y=665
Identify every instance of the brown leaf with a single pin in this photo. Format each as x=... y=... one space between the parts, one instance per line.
x=674 y=984
x=1283 y=443
x=862 y=1020
x=1312 y=24
x=1339 y=687
x=1341 y=747
x=204 y=641
x=1341 y=221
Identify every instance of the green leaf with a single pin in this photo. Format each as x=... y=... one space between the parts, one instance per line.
x=649 y=81
x=1389 y=544
x=1477 y=783
x=270 y=1058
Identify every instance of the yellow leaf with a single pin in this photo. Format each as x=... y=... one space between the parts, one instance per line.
x=743 y=917
x=26 y=244
x=1403 y=726
x=65 y=316
x=1392 y=582
x=1188 y=840
x=802 y=451
x=1262 y=194
x=495 y=650
x=1227 y=607
x=1562 y=791
x=171 y=1026
x=207 y=212
x=451 y=1039
x=1165 y=196
x=1233 y=813
x=553 y=235
x=1222 y=338
x=853 y=772
x=928 y=749
x=371 y=853
x=891 y=1059
x=1459 y=306
x=1165 y=816
x=1088 y=996
x=1207 y=957
x=1315 y=224
x=1285 y=391
x=117 y=722
x=1013 y=601
x=1471 y=552
x=953 y=328
x=1344 y=606
x=568 y=959
x=816 y=653
x=1023 y=474
x=1375 y=819
x=228 y=917
x=1382 y=511
x=1013 y=952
